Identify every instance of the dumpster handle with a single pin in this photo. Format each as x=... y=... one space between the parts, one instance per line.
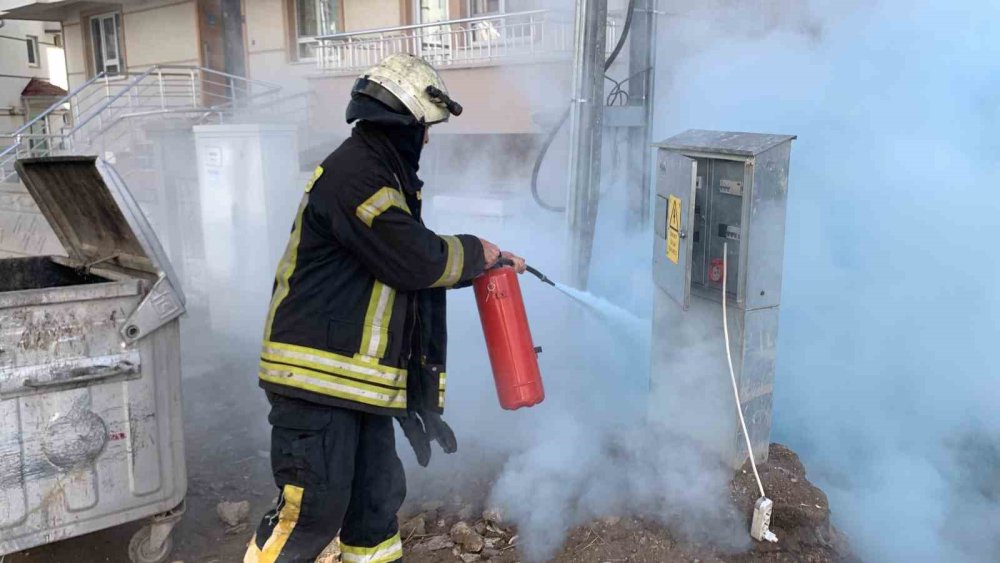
x=88 y=374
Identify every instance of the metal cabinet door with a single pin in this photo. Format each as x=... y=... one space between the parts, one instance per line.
x=674 y=223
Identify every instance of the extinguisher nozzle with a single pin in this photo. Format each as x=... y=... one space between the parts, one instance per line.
x=540 y=276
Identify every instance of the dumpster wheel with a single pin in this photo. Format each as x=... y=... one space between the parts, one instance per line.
x=152 y=543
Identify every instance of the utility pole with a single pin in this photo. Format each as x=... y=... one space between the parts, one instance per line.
x=585 y=133
x=641 y=60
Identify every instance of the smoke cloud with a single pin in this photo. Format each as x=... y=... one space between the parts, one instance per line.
x=886 y=385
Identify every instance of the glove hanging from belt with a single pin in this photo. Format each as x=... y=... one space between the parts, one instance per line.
x=421 y=427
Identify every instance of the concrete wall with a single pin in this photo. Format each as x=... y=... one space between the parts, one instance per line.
x=370 y=14
x=501 y=99
x=156 y=32
x=269 y=47
x=162 y=32
x=15 y=72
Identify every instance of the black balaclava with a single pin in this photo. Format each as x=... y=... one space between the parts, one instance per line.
x=403 y=131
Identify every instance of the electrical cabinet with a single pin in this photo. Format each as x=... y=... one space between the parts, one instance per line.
x=720 y=199
x=250 y=186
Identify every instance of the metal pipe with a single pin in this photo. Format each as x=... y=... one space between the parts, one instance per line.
x=586 y=118
x=642 y=61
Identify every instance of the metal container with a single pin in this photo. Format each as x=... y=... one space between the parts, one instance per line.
x=718 y=190
x=90 y=403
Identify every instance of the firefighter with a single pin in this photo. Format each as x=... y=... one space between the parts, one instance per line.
x=355 y=334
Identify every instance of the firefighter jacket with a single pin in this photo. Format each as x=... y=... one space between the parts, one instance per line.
x=357 y=315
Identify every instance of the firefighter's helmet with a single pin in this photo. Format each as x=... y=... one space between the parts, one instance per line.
x=407 y=83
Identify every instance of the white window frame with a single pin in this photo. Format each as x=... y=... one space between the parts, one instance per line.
x=35 y=52
x=485 y=33
x=501 y=10
x=434 y=40
x=302 y=40
x=119 y=60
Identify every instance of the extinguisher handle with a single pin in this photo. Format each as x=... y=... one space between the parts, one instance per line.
x=501 y=262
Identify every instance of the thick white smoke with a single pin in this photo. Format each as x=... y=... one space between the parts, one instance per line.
x=886 y=384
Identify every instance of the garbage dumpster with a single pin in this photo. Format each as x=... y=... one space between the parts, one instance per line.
x=90 y=402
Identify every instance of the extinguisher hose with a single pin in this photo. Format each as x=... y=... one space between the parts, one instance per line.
x=501 y=262
x=539 y=275
x=732 y=372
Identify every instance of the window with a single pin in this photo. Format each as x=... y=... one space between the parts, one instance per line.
x=32 y=42
x=314 y=18
x=495 y=7
x=505 y=29
x=430 y=11
x=484 y=7
x=106 y=44
x=434 y=39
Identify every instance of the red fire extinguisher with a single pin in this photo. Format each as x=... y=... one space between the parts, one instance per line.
x=513 y=355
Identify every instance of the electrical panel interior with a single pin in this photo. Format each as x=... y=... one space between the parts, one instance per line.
x=720 y=187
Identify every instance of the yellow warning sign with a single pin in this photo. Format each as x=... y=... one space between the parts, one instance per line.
x=673 y=229
x=674 y=213
x=673 y=245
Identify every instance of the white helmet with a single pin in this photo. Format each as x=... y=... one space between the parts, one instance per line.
x=406 y=82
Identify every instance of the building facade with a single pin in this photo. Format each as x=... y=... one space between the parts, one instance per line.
x=32 y=72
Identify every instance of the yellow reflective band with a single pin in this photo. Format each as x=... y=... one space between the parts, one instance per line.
x=380 y=203
x=370 y=376
x=288 y=516
x=328 y=362
x=325 y=384
x=456 y=259
x=293 y=351
x=253 y=552
x=441 y=382
x=389 y=550
x=286 y=266
x=316 y=174
x=375 y=336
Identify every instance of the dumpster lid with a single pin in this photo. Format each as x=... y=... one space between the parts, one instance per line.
x=92 y=212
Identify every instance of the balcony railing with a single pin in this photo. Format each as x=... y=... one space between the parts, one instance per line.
x=462 y=42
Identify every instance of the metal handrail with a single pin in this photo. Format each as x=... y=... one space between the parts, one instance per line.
x=78 y=126
x=101 y=104
x=379 y=30
x=64 y=100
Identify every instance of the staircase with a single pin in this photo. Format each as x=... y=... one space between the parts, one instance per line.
x=126 y=120
x=107 y=112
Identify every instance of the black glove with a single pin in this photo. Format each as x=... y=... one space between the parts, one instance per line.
x=413 y=429
x=439 y=431
x=421 y=428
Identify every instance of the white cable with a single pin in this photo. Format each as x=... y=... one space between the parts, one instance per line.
x=732 y=372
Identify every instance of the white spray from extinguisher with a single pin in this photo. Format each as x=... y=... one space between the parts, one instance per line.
x=603 y=307
x=760 y=525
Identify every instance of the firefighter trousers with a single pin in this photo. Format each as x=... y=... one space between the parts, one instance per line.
x=337 y=471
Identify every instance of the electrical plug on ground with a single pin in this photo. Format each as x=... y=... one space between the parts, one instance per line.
x=760 y=526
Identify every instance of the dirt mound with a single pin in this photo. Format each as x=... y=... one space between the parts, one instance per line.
x=801 y=519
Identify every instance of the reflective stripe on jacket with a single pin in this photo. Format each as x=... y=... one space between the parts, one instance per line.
x=359 y=293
